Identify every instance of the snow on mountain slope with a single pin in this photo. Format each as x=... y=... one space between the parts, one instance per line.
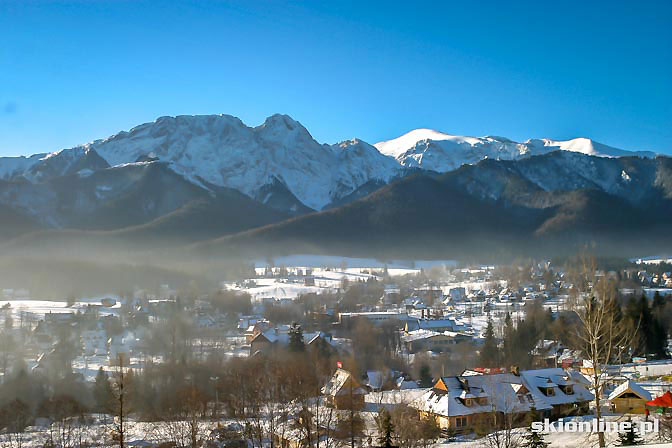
x=280 y=156
x=432 y=150
x=221 y=150
x=584 y=146
x=354 y=173
x=14 y=166
x=400 y=145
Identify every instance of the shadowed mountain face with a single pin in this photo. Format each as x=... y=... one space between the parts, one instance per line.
x=493 y=208
x=210 y=185
x=549 y=204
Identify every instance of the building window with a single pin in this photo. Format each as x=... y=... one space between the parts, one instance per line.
x=548 y=391
x=568 y=390
x=460 y=422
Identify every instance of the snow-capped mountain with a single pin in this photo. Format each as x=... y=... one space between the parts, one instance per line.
x=436 y=151
x=277 y=163
x=220 y=150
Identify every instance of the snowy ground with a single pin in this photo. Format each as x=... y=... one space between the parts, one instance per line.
x=567 y=439
x=99 y=431
x=652 y=260
x=332 y=260
x=40 y=308
x=374 y=401
x=326 y=281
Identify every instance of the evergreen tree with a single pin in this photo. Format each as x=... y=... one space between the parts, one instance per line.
x=508 y=339
x=296 y=343
x=425 y=376
x=659 y=330
x=533 y=439
x=651 y=332
x=489 y=352
x=658 y=303
x=629 y=437
x=102 y=391
x=385 y=428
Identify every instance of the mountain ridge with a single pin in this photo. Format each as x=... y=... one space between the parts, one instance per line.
x=219 y=186
x=221 y=150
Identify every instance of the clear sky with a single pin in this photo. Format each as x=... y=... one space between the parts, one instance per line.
x=73 y=71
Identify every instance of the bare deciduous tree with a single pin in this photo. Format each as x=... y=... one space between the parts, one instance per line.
x=603 y=335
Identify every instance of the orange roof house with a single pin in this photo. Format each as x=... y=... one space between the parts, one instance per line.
x=664 y=401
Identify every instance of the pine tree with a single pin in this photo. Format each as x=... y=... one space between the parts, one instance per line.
x=102 y=391
x=508 y=339
x=425 y=376
x=533 y=439
x=629 y=437
x=658 y=302
x=296 y=343
x=385 y=428
x=659 y=331
x=490 y=352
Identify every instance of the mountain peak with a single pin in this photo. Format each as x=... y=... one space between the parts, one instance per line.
x=398 y=146
x=280 y=120
x=222 y=151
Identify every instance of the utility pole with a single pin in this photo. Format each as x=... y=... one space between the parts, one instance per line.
x=352 y=417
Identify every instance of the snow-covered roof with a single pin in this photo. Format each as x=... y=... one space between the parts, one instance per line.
x=436 y=324
x=282 y=337
x=417 y=335
x=403 y=384
x=552 y=378
x=503 y=392
x=335 y=385
x=376 y=378
x=499 y=391
x=630 y=386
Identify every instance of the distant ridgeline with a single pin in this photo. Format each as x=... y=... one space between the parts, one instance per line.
x=210 y=186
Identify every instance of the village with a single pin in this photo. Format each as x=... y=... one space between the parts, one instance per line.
x=339 y=354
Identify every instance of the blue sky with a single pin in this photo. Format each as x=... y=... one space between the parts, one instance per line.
x=73 y=71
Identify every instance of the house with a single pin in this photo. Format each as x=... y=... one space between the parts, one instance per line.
x=120 y=348
x=391 y=294
x=662 y=404
x=429 y=292
x=254 y=329
x=458 y=293
x=376 y=317
x=567 y=394
x=94 y=342
x=438 y=325
x=547 y=352
x=437 y=342
x=377 y=380
x=268 y=340
x=344 y=391
x=464 y=403
x=629 y=398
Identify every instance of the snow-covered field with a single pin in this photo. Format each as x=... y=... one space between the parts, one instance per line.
x=377 y=400
x=317 y=261
x=40 y=308
x=652 y=260
x=567 y=439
